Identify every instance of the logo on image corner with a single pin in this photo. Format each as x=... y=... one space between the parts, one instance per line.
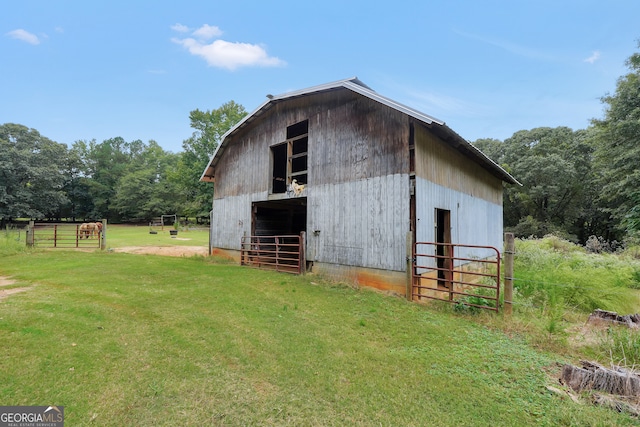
x=31 y=416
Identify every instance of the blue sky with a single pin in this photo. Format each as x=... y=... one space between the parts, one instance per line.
x=82 y=70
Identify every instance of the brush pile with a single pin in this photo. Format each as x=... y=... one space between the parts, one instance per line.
x=611 y=317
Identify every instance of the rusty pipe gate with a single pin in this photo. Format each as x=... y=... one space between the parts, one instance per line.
x=471 y=278
x=280 y=253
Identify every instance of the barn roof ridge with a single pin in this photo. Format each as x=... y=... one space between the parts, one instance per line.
x=356 y=85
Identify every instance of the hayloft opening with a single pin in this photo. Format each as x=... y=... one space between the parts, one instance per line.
x=279 y=156
x=289 y=158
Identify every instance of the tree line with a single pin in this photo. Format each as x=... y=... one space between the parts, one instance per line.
x=122 y=181
x=576 y=184
x=582 y=183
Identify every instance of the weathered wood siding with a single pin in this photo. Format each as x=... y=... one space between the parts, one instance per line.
x=358 y=185
x=445 y=179
x=358 y=191
x=362 y=223
x=439 y=163
x=350 y=137
x=231 y=219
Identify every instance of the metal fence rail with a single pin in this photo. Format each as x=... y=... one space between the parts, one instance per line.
x=280 y=253
x=63 y=235
x=472 y=279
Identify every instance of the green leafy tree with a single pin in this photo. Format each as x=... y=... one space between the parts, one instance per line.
x=77 y=185
x=31 y=173
x=145 y=191
x=106 y=163
x=618 y=152
x=554 y=166
x=209 y=127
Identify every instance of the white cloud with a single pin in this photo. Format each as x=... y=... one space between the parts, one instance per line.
x=594 y=57
x=207 y=32
x=508 y=46
x=25 y=36
x=221 y=53
x=180 y=28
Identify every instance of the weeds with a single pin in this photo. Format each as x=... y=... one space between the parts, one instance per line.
x=550 y=269
x=622 y=346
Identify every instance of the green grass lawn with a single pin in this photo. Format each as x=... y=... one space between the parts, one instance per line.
x=124 y=340
x=132 y=235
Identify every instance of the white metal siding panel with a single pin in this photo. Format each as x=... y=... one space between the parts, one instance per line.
x=474 y=221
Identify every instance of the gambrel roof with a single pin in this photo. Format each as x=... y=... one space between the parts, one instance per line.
x=354 y=84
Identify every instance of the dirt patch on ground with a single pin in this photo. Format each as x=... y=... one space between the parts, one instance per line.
x=5 y=281
x=178 y=251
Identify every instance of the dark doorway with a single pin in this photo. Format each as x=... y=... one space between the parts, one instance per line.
x=279 y=154
x=279 y=217
x=443 y=247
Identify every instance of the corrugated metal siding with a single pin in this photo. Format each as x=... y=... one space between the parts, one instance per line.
x=361 y=223
x=474 y=221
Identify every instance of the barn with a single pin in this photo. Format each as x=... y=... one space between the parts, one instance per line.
x=359 y=176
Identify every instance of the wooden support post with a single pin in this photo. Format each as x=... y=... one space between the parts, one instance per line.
x=449 y=273
x=303 y=255
x=410 y=255
x=103 y=235
x=30 y=234
x=509 y=252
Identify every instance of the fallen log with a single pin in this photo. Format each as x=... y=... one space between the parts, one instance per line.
x=611 y=317
x=592 y=376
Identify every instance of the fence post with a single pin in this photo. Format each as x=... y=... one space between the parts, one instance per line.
x=409 y=251
x=103 y=241
x=30 y=232
x=303 y=254
x=509 y=251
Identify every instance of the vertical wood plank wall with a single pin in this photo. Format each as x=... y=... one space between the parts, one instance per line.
x=358 y=189
x=445 y=179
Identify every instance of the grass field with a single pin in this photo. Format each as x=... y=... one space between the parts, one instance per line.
x=131 y=235
x=121 y=339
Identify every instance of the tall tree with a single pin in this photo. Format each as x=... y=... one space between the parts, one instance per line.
x=106 y=163
x=618 y=151
x=209 y=127
x=76 y=185
x=554 y=166
x=31 y=173
x=144 y=191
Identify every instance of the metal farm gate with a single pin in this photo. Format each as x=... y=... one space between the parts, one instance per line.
x=463 y=274
x=280 y=253
x=65 y=235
